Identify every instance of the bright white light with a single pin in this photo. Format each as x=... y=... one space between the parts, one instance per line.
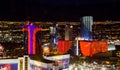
x=71 y=26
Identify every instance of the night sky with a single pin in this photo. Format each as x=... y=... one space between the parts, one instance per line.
x=59 y=10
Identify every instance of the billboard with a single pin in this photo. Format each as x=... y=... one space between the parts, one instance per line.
x=9 y=66
x=35 y=67
x=62 y=60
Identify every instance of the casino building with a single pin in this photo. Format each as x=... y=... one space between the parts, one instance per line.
x=60 y=35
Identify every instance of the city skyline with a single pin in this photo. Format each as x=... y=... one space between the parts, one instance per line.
x=66 y=52
x=59 y=34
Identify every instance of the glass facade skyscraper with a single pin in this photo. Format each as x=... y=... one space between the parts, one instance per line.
x=86 y=27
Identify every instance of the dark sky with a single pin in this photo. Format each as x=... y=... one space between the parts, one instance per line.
x=59 y=10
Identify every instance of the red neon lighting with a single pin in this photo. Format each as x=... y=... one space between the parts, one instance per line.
x=34 y=39
x=89 y=48
x=29 y=41
x=64 y=46
x=26 y=29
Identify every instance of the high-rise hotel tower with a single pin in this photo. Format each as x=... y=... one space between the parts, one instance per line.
x=86 y=27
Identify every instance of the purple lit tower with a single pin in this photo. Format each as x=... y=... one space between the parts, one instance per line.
x=30 y=37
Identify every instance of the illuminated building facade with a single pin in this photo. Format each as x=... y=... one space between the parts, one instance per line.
x=31 y=37
x=11 y=33
x=86 y=27
x=53 y=33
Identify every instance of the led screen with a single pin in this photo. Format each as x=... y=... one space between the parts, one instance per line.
x=9 y=66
